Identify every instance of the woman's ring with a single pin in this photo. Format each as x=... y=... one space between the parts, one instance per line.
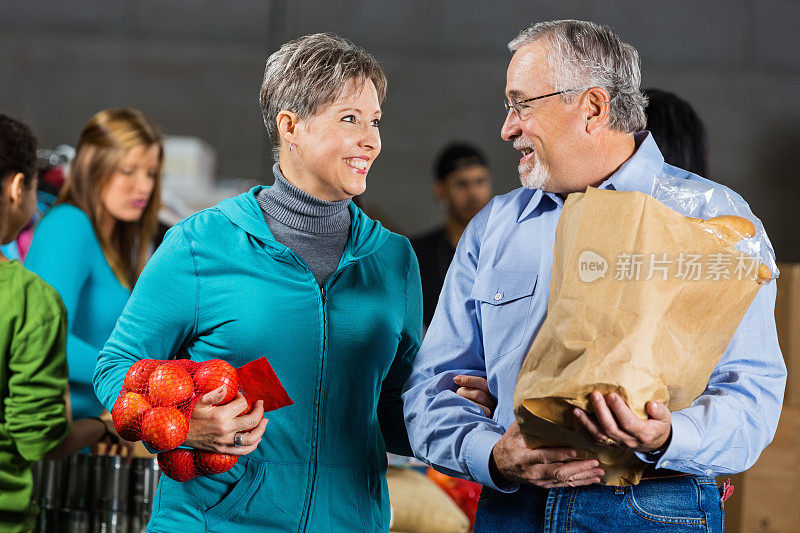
x=237 y=439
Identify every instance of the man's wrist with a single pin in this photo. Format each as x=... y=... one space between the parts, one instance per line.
x=498 y=478
x=661 y=449
x=494 y=472
x=479 y=446
x=655 y=454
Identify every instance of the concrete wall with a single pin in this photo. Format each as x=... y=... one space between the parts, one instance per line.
x=195 y=67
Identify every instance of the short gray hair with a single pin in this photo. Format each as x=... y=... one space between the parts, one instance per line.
x=585 y=54
x=311 y=71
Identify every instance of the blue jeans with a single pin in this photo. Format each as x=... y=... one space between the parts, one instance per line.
x=685 y=503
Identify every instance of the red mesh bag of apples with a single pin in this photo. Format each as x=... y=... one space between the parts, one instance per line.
x=157 y=398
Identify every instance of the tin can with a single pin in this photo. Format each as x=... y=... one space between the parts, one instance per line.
x=144 y=481
x=110 y=522
x=74 y=521
x=111 y=489
x=76 y=494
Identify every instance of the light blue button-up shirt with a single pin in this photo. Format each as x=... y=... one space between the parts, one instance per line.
x=494 y=301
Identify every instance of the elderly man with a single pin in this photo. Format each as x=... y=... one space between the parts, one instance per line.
x=575 y=111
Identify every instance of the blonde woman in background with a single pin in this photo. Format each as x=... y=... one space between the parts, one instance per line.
x=92 y=246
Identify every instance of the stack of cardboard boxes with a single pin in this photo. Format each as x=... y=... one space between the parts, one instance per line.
x=766 y=498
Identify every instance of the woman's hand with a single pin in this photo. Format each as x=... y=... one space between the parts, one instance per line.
x=214 y=427
x=476 y=389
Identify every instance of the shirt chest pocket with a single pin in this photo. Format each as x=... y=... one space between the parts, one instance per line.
x=503 y=300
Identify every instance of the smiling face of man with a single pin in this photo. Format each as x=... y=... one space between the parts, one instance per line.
x=548 y=132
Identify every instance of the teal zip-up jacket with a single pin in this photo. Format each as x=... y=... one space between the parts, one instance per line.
x=220 y=286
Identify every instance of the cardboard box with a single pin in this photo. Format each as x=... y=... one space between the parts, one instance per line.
x=766 y=498
x=787 y=320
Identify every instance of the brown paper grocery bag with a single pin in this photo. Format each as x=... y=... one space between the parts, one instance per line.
x=643 y=303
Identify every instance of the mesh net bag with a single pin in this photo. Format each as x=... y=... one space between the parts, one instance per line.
x=157 y=399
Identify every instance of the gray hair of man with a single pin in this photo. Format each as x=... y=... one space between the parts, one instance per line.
x=585 y=54
x=309 y=72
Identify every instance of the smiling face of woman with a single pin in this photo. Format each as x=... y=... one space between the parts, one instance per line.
x=333 y=150
x=128 y=191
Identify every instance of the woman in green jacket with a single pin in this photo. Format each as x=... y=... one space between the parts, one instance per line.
x=34 y=418
x=297 y=273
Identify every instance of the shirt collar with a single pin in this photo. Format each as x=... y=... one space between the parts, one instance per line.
x=635 y=174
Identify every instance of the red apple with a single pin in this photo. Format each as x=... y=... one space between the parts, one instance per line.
x=178 y=464
x=213 y=374
x=138 y=374
x=164 y=428
x=186 y=364
x=127 y=415
x=209 y=463
x=170 y=384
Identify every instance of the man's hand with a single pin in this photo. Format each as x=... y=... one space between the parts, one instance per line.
x=476 y=389
x=213 y=427
x=544 y=467
x=615 y=424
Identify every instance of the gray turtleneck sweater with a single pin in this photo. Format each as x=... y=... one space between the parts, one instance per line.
x=314 y=229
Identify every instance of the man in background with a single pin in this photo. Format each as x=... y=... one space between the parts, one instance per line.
x=463 y=186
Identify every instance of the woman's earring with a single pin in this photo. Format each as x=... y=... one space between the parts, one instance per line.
x=291 y=147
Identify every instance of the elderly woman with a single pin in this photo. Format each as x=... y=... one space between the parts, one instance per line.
x=297 y=273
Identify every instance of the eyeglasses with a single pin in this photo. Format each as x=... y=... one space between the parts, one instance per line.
x=518 y=107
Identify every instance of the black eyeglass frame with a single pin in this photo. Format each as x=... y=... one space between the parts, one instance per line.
x=515 y=105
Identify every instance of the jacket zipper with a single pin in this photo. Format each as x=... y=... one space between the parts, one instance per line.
x=314 y=446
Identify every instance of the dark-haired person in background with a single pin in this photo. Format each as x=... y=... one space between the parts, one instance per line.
x=463 y=186
x=677 y=130
x=34 y=417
